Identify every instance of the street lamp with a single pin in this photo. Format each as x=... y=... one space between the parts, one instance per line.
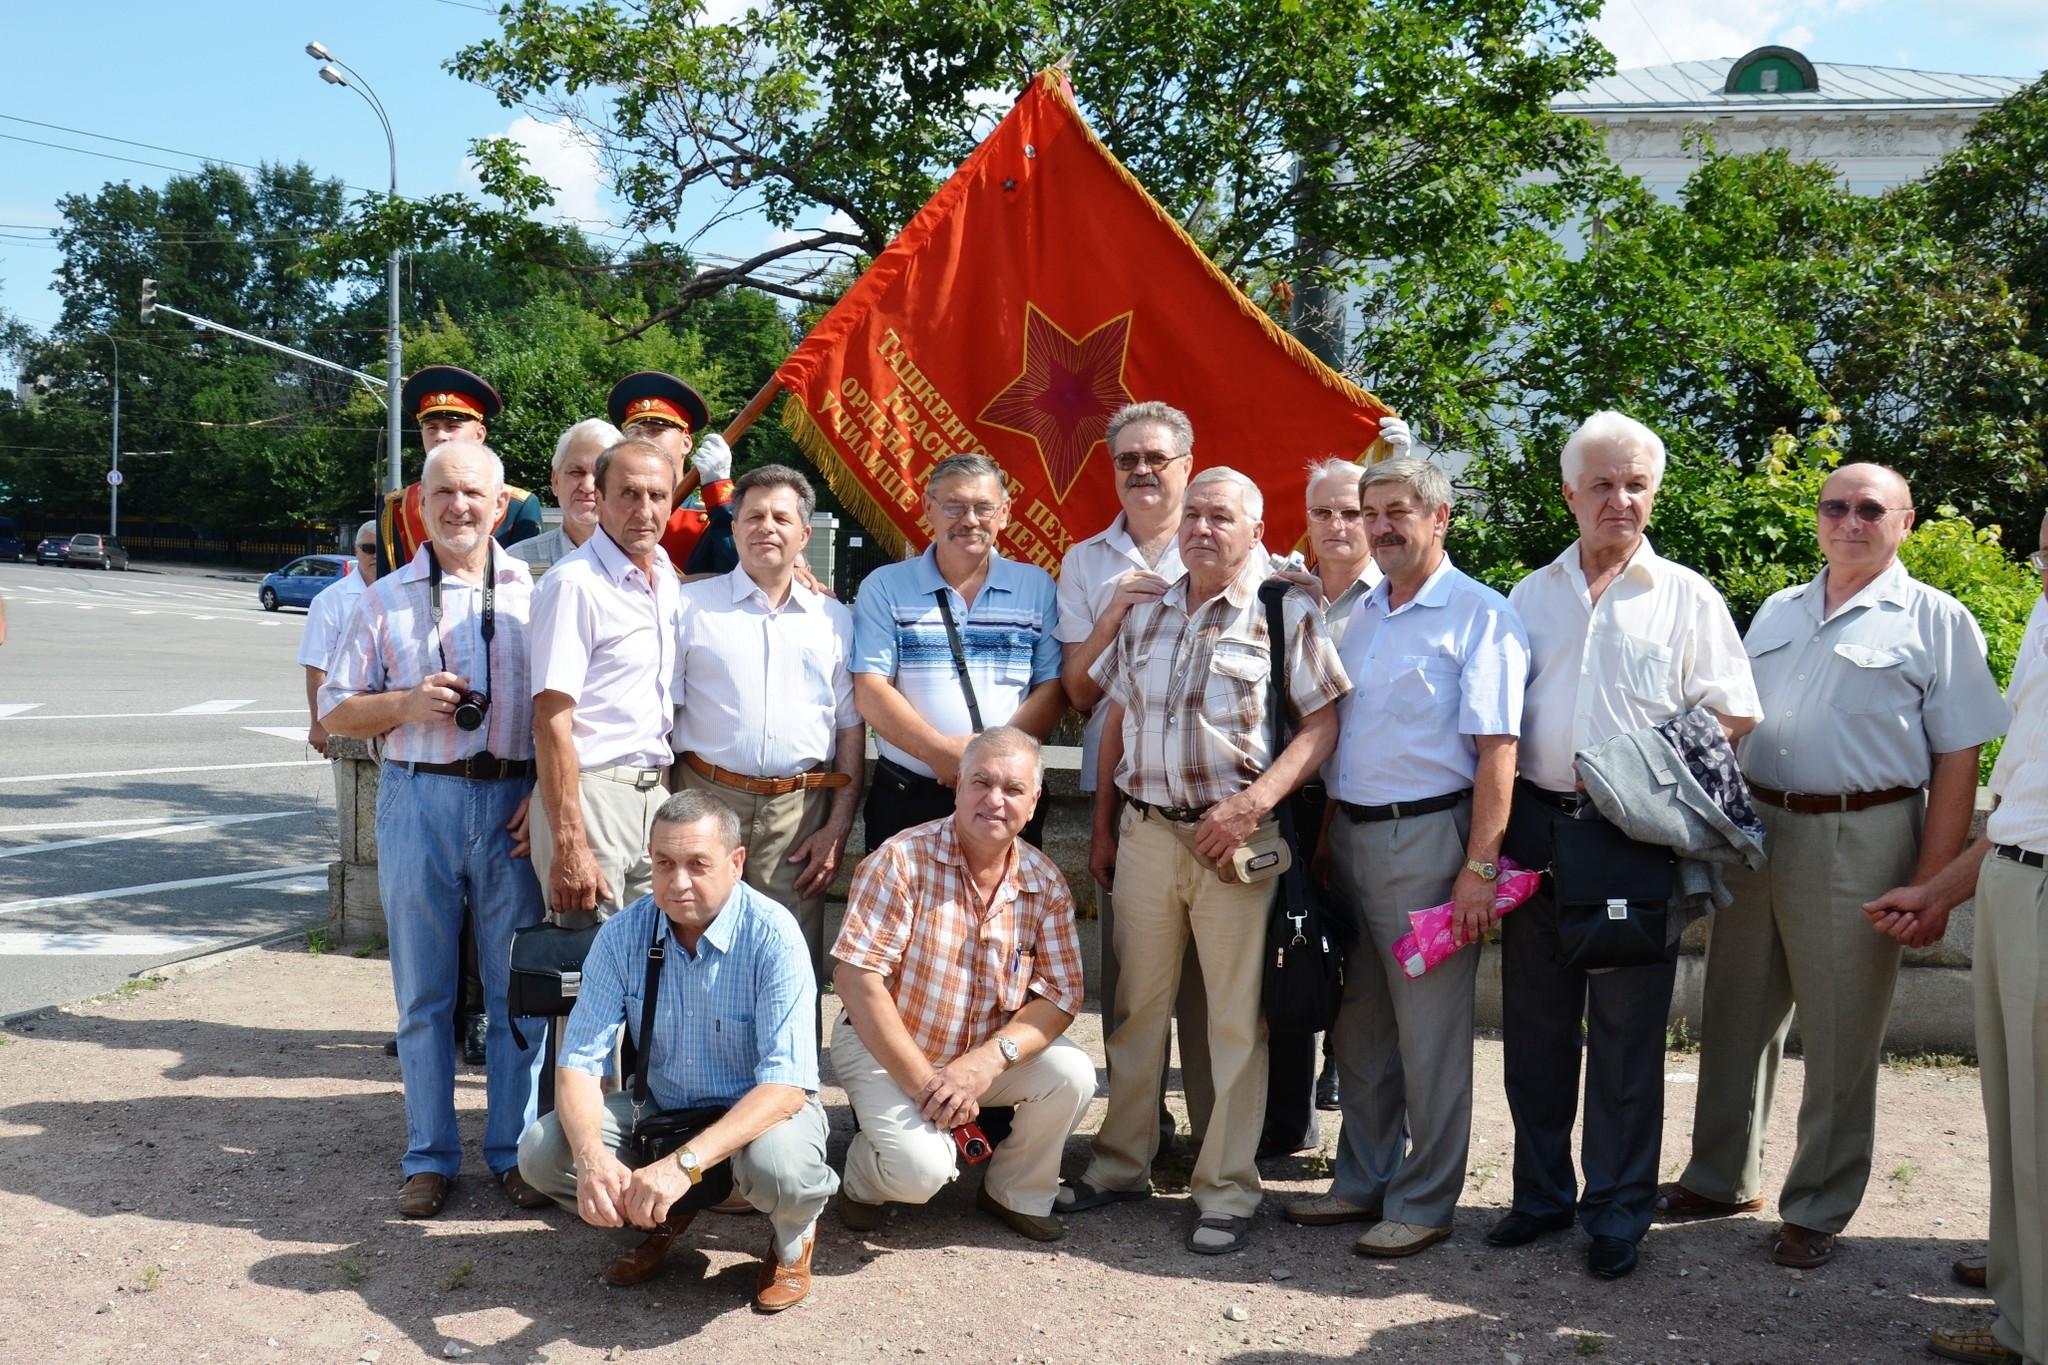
x=114 y=470
x=394 y=360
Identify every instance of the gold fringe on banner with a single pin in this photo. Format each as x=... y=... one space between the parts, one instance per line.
x=845 y=485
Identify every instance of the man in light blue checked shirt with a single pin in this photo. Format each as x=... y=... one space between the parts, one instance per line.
x=734 y=1028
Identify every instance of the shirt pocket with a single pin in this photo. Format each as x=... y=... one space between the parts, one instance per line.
x=1646 y=671
x=1875 y=684
x=1234 y=695
x=1422 y=688
x=732 y=1045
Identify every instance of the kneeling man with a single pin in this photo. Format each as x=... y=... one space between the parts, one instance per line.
x=734 y=1028
x=960 y=969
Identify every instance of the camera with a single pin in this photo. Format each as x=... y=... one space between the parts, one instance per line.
x=973 y=1144
x=471 y=710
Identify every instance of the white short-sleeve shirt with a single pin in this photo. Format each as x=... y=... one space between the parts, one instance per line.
x=2020 y=778
x=761 y=690
x=326 y=617
x=604 y=635
x=1088 y=578
x=1659 y=642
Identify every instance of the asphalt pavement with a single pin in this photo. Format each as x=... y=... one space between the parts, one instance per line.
x=158 y=800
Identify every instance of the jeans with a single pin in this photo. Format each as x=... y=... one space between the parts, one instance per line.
x=439 y=840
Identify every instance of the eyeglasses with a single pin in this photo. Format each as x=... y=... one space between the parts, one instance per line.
x=2039 y=559
x=1324 y=515
x=1834 y=509
x=1149 y=459
x=955 y=511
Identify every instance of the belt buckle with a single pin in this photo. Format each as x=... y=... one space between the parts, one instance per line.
x=473 y=766
x=646 y=779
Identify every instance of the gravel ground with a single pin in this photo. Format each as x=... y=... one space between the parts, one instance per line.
x=204 y=1171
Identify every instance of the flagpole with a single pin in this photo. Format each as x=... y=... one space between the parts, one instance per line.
x=738 y=428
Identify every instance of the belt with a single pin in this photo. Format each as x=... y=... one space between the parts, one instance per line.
x=1179 y=815
x=1805 y=803
x=766 y=786
x=1401 y=810
x=2024 y=856
x=1568 y=802
x=639 y=779
x=482 y=767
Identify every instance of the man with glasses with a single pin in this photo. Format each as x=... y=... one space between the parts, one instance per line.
x=1131 y=561
x=573 y=481
x=948 y=644
x=327 y=621
x=1875 y=691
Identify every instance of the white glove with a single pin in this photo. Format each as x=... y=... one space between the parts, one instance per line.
x=713 y=458
x=1399 y=439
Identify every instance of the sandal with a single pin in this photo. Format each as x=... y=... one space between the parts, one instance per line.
x=1802 y=1248
x=1675 y=1202
x=1237 y=1230
x=1076 y=1195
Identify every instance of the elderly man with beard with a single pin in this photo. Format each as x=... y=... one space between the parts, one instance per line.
x=1187 y=686
x=948 y=644
x=436 y=668
x=604 y=648
x=574 y=483
x=1620 y=639
x=1420 y=785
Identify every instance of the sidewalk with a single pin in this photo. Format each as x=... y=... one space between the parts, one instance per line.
x=205 y=1170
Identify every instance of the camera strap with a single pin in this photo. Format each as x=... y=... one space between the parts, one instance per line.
x=488 y=629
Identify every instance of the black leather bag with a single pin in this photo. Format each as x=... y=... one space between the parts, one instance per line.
x=1308 y=936
x=656 y=1134
x=1613 y=895
x=547 y=972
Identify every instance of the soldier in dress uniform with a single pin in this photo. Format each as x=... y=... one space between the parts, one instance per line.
x=450 y=404
x=663 y=409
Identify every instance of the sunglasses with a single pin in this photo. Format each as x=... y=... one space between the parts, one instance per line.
x=1126 y=464
x=1834 y=509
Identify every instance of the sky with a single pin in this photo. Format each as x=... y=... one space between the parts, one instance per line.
x=229 y=80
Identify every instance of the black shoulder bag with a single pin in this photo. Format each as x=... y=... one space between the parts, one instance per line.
x=1307 y=937
x=547 y=973
x=655 y=1135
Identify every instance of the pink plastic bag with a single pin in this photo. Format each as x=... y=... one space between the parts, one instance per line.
x=1431 y=941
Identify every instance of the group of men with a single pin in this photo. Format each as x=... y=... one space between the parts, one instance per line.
x=697 y=748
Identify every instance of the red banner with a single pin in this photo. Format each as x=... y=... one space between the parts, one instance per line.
x=1039 y=291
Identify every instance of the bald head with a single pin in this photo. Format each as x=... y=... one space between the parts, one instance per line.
x=1866 y=513
x=1897 y=493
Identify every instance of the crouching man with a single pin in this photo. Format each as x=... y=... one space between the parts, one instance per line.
x=734 y=1028
x=960 y=969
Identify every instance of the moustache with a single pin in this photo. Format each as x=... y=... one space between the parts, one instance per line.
x=1389 y=539
x=1142 y=481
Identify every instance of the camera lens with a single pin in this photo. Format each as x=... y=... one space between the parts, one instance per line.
x=469 y=712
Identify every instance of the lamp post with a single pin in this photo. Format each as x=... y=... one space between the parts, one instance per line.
x=394 y=360
x=114 y=470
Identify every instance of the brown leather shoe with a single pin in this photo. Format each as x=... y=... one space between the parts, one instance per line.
x=1802 y=1248
x=1969 y=1270
x=1675 y=1203
x=423 y=1195
x=521 y=1193
x=642 y=1263
x=780 y=1285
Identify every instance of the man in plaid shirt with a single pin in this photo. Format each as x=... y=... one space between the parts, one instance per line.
x=960 y=969
x=1191 y=749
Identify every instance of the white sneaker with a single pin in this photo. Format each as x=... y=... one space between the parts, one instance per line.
x=1398 y=1239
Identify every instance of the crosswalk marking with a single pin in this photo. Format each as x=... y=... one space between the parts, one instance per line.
x=211 y=822
x=213 y=708
x=15 y=708
x=151 y=888
x=103 y=945
x=294 y=733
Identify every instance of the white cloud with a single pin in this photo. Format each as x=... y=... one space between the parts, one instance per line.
x=1652 y=32
x=566 y=157
x=835 y=221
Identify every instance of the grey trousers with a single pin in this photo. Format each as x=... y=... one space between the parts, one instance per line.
x=2010 y=974
x=782 y=1172
x=1796 y=937
x=1403 y=1048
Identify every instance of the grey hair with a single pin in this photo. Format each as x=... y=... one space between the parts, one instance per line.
x=1005 y=739
x=1608 y=427
x=966 y=467
x=1165 y=414
x=628 y=445
x=368 y=528
x=1336 y=467
x=491 y=460
x=1254 y=500
x=1428 y=483
x=589 y=426
x=776 y=476
x=688 y=807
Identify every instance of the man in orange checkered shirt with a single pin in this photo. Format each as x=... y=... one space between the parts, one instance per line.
x=960 y=969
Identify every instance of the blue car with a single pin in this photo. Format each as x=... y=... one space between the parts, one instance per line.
x=302 y=580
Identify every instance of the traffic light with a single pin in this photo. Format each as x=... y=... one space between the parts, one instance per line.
x=148 y=300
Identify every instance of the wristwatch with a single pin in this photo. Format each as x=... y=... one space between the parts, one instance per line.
x=1490 y=871
x=1009 y=1050
x=687 y=1159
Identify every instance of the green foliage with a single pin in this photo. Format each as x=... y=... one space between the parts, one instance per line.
x=1971 y=564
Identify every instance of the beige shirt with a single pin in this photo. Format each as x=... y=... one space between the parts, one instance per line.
x=1862 y=700
x=2020 y=779
x=1658 y=643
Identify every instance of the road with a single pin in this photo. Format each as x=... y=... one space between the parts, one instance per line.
x=157 y=797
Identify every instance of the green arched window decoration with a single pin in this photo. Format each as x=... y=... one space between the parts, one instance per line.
x=1771 y=71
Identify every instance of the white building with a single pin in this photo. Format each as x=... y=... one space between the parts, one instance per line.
x=1877 y=126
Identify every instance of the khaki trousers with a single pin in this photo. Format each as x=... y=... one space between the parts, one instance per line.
x=617 y=819
x=1190 y=1012
x=1164 y=896
x=771 y=827
x=899 y=1155
x=1796 y=938
x=2010 y=972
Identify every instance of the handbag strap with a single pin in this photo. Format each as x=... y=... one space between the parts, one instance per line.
x=959 y=657
x=1271 y=594
x=655 y=956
